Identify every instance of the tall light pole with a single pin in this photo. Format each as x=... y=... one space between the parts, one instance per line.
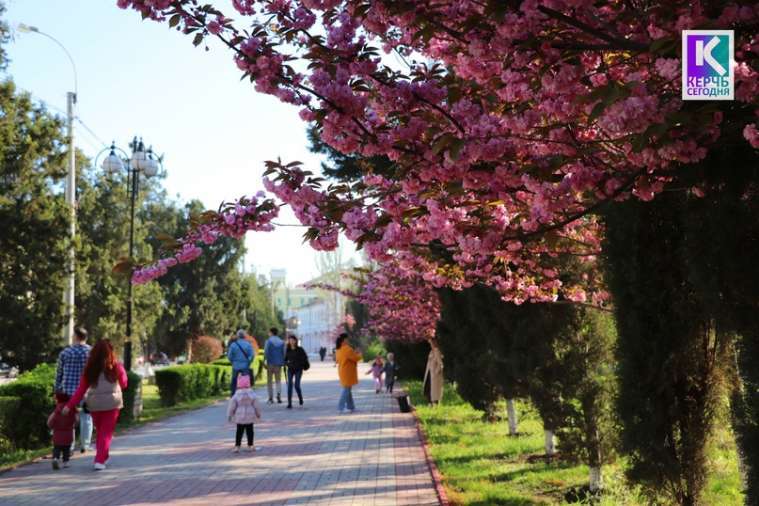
x=141 y=161
x=71 y=96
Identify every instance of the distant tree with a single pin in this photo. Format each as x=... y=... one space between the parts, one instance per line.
x=33 y=228
x=203 y=297
x=342 y=167
x=103 y=240
x=257 y=309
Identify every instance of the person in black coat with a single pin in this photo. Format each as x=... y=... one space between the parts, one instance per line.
x=296 y=361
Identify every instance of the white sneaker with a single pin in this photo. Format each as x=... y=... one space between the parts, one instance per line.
x=98 y=466
x=236 y=450
x=251 y=448
x=56 y=464
x=65 y=465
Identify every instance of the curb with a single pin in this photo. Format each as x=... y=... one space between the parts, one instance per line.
x=437 y=478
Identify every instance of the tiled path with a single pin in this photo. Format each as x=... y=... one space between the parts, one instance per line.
x=307 y=455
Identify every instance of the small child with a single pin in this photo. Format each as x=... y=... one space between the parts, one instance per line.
x=376 y=371
x=391 y=369
x=244 y=410
x=63 y=430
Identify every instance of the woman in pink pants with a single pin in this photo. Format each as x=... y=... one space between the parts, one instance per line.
x=102 y=382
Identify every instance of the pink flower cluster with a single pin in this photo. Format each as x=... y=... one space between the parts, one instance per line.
x=506 y=134
x=232 y=220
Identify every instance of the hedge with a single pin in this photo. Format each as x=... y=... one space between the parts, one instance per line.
x=256 y=361
x=29 y=400
x=134 y=385
x=8 y=407
x=29 y=416
x=192 y=381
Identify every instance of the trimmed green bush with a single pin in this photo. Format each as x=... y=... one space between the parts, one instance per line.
x=192 y=381
x=375 y=348
x=35 y=391
x=8 y=407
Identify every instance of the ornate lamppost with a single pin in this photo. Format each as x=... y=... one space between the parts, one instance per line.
x=144 y=162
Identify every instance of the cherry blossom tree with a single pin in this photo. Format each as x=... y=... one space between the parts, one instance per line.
x=501 y=160
x=510 y=126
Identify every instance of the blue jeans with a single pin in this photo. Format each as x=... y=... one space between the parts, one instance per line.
x=85 y=430
x=293 y=379
x=346 y=398
x=235 y=374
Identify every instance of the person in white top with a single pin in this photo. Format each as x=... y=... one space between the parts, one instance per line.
x=244 y=410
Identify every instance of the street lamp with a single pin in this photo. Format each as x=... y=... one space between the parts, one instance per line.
x=141 y=161
x=68 y=294
x=292 y=324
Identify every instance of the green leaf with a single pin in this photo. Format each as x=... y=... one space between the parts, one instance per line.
x=442 y=142
x=455 y=149
x=174 y=20
x=598 y=109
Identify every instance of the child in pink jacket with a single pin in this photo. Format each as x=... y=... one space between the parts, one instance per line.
x=244 y=410
x=376 y=371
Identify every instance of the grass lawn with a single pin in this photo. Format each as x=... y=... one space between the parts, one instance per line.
x=152 y=410
x=482 y=465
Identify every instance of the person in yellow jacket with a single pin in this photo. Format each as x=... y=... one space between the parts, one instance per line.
x=347 y=369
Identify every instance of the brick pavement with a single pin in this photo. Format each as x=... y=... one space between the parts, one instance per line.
x=309 y=455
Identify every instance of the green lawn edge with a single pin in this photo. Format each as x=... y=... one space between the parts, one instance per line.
x=481 y=465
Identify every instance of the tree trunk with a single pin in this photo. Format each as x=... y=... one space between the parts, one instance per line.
x=550 y=444
x=511 y=414
x=596 y=479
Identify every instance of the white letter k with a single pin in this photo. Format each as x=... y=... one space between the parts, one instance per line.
x=705 y=53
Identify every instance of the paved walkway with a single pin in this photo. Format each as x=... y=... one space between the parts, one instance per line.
x=309 y=455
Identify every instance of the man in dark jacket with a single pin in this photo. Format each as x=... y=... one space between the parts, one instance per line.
x=296 y=360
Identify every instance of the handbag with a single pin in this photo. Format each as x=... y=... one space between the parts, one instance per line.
x=307 y=365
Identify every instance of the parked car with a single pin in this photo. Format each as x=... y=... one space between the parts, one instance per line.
x=6 y=371
x=159 y=359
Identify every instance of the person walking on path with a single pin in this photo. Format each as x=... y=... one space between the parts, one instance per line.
x=433 y=375
x=347 y=369
x=63 y=431
x=241 y=355
x=274 y=354
x=376 y=371
x=296 y=360
x=390 y=369
x=68 y=372
x=322 y=353
x=244 y=411
x=103 y=381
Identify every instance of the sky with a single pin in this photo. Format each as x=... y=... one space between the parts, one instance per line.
x=141 y=78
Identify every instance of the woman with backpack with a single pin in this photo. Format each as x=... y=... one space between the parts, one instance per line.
x=103 y=381
x=296 y=361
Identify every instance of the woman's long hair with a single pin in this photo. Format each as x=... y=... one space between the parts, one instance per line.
x=290 y=339
x=101 y=360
